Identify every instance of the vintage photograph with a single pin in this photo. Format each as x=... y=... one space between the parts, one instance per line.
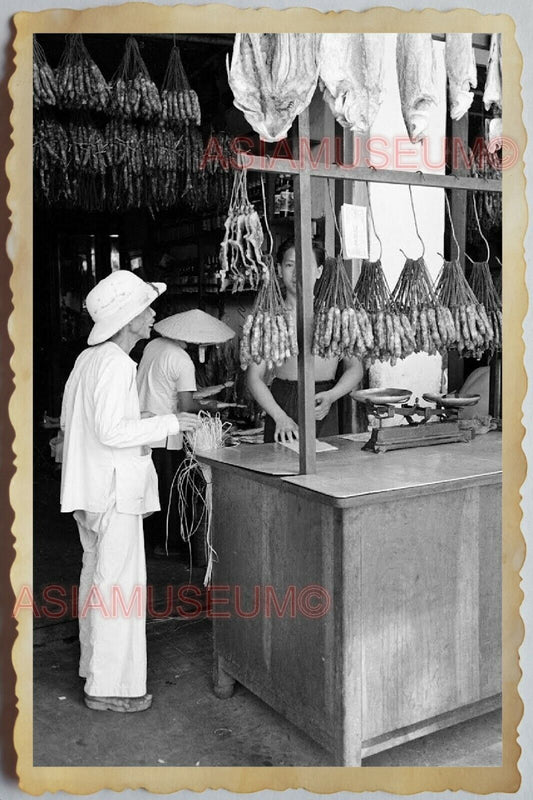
x=267 y=399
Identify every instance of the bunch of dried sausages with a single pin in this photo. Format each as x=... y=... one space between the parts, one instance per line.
x=393 y=334
x=340 y=329
x=269 y=332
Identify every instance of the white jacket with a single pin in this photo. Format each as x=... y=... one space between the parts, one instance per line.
x=104 y=451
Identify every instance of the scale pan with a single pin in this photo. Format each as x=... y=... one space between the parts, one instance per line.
x=452 y=400
x=382 y=397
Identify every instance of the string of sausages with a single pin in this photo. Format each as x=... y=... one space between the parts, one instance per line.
x=44 y=79
x=471 y=333
x=392 y=331
x=341 y=329
x=80 y=84
x=486 y=294
x=269 y=332
x=178 y=101
x=430 y=320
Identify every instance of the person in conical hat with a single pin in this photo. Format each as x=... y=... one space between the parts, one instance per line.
x=109 y=483
x=166 y=382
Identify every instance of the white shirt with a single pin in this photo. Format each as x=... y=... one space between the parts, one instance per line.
x=165 y=370
x=105 y=437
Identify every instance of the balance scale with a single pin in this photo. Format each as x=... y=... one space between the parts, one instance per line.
x=388 y=403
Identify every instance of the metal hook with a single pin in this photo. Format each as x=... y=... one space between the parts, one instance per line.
x=333 y=211
x=479 y=227
x=372 y=220
x=451 y=226
x=416 y=223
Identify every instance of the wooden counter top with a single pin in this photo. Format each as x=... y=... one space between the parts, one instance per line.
x=349 y=473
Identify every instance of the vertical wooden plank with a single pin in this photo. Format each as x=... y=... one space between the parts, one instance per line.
x=329 y=185
x=349 y=187
x=348 y=647
x=304 y=308
x=353 y=192
x=495 y=390
x=458 y=200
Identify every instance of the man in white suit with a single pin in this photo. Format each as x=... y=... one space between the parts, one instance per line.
x=109 y=482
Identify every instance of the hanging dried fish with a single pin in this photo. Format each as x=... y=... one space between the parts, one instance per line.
x=273 y=77
x=492 y=96
x=350 y=68
x=461 y=71
x=415 y=64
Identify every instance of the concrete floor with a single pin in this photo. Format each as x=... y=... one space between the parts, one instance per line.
x=187 y=725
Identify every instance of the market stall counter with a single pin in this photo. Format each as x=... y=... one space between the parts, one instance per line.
x=362 y=602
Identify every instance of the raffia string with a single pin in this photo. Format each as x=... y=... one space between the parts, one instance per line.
x=209 y=435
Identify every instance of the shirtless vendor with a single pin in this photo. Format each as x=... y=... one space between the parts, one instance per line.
x=280 y=400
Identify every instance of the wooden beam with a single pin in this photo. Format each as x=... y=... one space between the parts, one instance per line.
x=293 y=167
x=304 y=307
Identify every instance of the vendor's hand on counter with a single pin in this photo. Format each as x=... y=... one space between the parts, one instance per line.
x=146 y=414
x=323 y=403
x=188 y=422
x=286 y=429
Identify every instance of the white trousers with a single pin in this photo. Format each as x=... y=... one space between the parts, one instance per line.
x=112 y=604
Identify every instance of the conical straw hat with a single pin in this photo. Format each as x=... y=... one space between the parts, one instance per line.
x=196 y=327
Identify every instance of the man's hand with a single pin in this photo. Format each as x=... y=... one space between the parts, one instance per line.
x=286 y=429
x=188 y=422
x=323 y=403
x=146 y=414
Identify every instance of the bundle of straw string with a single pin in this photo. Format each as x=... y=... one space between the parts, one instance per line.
x=209 y=435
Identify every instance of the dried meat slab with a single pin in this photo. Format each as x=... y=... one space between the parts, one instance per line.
x=273 y=77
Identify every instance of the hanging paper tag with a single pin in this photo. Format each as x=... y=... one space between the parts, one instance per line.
x=354 y=231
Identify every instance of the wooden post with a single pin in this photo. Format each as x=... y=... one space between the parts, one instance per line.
x=329 y=186
x=458 y=200
x=304 y=307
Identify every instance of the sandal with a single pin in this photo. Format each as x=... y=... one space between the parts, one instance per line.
x=120 y=704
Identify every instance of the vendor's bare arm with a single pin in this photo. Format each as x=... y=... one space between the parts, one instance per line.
x=286 y=428
x=350 y=378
